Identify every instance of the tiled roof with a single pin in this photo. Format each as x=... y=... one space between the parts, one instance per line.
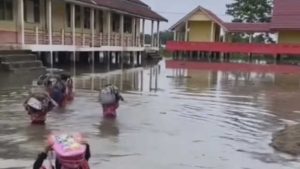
x=135 y=7
x=247 y=27
x=286 y=15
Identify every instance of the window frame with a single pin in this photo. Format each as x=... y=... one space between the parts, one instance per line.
x=7 y=10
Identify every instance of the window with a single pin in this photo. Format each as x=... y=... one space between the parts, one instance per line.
x=32 y=11
x=127 y=24
x=87 y=16
x=100 y=18
x=68 y=14
x=77 y=16
x=6 y=10
x=115 y=22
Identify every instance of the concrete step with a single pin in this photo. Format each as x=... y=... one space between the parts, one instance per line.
x=29 y=69
x=13 y=52
x=22 y=64
x=17 y=57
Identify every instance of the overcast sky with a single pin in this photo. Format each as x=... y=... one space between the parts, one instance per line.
x=173 y=10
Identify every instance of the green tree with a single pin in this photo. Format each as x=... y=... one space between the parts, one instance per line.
x=251 y=11
x=165 y=36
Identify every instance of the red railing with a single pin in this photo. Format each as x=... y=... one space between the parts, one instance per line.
x=272 y=49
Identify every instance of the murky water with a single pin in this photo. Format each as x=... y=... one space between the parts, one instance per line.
x=177 y=119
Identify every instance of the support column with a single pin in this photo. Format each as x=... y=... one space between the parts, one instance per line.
x=133 y=32
x=122 y=39
x=250 y=41
x=108 y=27
x=212 y=32
x=143 y=33
x=108 y=56
x=158 y=45
x=49 y=17
x=73 y=24
x=21 y=21
x=174 y=35
x=92 y=23
x=138 y=32
x=152 y=33
x=186 y=31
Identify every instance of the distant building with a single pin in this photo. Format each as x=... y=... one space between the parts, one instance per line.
x=202 y=34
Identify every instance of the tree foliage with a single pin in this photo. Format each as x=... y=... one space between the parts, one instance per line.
x=251 y=11
x=165 y=36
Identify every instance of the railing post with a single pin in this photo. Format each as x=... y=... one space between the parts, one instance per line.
x=63 y=37
x=83 y=39
x=116 y=40
x=37 y=35
x=100 y=39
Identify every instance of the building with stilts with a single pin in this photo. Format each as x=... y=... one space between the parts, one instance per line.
x=202 y=35
x=78 y=29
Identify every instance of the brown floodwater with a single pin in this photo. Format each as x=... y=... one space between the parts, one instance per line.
x=179 y=119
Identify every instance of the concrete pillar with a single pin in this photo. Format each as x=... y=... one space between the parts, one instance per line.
x=174 y=35
x=108 y=27
x=93 y=61
x=152 y=33
x=49 y=17
x=21 y=20
x=143 y=33
x=186 y=31
x=122 y=40
x=250 y=41
x=212 y=32
x=131 y=59
x=56 y=57
x=157 y=35
x=139 y=58
x=107 y=60
x=73 y=25
x=74 y=69
x=133 y=32
x=92 y=23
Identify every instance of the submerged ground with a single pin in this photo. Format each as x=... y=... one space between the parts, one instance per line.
x=179 y=119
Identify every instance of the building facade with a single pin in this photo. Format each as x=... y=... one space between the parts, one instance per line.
x=54 y=26
x=202 y=34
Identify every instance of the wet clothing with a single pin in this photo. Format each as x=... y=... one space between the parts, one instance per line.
x=38 y=164
x=47 y=103
x=110 y=111
x=113 y=94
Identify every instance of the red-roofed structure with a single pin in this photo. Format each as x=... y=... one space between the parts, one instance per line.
x=201 y=32
x=286 y=15
x=247 y=27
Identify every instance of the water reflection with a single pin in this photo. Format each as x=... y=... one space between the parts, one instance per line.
x=196 y=119
x=127 y=80
x=109 y=127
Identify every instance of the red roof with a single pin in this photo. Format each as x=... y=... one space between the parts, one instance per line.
x=247 y=27
x=135 y=7
x=286 y=15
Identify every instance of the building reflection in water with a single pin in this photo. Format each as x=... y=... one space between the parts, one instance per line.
x=278 y=93
x=139 y=80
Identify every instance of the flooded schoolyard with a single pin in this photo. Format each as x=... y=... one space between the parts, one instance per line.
x=171 y=118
